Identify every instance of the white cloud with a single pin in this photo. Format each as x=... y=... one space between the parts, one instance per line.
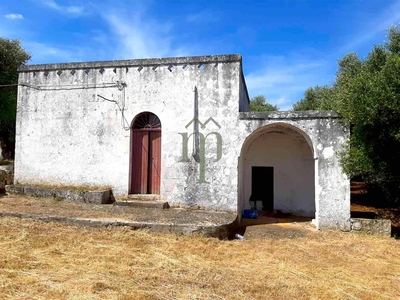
x=45 y=53
x=281 y=101
x=373 y=28
x=138 y=36
x=283 y=79
x=14 y=16
x=126 y=33
x=73 y=10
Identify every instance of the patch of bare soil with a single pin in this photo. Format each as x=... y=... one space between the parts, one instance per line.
x=62 y=208
x=54 y=207
x=277 y=226
x=279 y=231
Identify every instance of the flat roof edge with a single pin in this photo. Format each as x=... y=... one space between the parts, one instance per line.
x=285 y=115
x=135 y=62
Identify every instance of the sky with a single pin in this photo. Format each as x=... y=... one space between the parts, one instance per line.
x=287 y=45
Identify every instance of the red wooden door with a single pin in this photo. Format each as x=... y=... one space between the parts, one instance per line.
x=145 y=169
x=140 y=162
x=154 y=162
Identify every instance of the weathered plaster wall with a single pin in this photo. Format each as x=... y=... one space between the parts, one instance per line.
x=68 y=134
x=325 y=135
x=73 y=129
x=287 y=151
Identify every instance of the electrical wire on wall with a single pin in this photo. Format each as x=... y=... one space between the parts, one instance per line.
x=124 y=122
x=119 y=84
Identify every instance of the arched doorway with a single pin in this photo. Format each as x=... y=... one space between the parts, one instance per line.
x=145 y=155
x=278 y=170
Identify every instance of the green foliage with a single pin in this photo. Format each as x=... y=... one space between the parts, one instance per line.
x=393 y=45
x=366 y=93
x=315 y=98
x=259 y=103
x=12 y=55
x=369 y=98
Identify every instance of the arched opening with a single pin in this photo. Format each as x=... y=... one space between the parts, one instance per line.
x=277 y=171
x=145 y=154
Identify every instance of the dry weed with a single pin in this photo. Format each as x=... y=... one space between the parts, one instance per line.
x=53 y=261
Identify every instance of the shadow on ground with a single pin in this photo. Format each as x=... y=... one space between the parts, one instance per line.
x=276 y=226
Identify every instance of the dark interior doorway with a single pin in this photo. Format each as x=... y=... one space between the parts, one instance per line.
x=262 y=187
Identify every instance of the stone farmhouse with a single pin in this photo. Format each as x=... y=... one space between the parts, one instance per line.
x=178 y=129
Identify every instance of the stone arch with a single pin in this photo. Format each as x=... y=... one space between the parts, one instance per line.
x=281 y=157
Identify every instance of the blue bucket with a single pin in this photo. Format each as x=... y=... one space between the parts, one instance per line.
x=250 y=214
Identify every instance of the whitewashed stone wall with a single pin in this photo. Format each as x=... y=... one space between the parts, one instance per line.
x=73 y=129
x=326 y=137
x=283 y=148
x=68 y=134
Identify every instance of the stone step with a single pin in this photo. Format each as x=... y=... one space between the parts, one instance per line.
x=77 y=194
x=144 y=197
x=142 y=203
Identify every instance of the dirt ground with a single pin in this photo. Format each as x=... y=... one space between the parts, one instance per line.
x=267 y=225
x=55 y=207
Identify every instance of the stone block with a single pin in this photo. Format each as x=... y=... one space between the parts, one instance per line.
x=97 y=197
x=67 y=194
x=13 y=189
x=2 y=180
x=143 y=204
x=345 y=226
x=78 y=195
x=372 y=226
x=43 y=192
x=356 y=226
x=6 y=176
x=31 y=191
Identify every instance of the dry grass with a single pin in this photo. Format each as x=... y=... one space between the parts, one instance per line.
x=52 y=261
x=62 y=208
x=6 y=162
x=83 y=187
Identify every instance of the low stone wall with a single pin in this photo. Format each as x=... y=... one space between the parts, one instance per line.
x=6 y=176
x=371 y=226
x=93 y=197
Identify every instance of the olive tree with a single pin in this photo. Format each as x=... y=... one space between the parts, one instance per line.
x=366 y=94
x=12 y=55
x=259 y=103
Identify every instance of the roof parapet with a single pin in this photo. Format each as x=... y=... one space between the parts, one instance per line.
x=285 y=115
x=134 y=62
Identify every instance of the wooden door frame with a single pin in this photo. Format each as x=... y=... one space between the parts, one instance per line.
x=131 y=148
